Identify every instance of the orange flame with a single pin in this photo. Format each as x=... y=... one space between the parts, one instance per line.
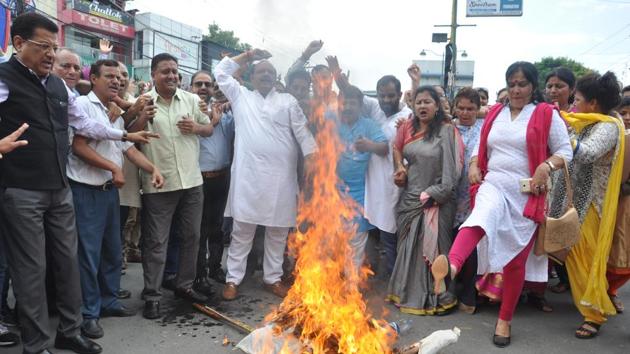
x=324 y=307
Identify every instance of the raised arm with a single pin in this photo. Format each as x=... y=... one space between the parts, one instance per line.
x=228 y=66
x=301 y=62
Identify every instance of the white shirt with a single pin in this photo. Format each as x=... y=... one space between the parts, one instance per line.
x=263 y=186
x=77 y=119
x=79 y=171
x=381 y=194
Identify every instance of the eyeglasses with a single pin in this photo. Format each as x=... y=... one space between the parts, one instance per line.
x=198 y=84
x=44 y=46
x=68 y=66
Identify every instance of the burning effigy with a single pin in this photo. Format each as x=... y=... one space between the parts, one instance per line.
x=325 y=311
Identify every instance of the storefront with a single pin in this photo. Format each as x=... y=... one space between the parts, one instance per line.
x=86 y=22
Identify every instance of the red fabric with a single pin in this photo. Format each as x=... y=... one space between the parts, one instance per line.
x=513 y=280
x=404 y=134
x=616 y=281
x=465 y=243
x=537 y=137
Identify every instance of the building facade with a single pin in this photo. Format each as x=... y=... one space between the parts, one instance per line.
x=84 y=23
x=157 y=34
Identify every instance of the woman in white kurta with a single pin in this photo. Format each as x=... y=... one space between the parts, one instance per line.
x=499 y=206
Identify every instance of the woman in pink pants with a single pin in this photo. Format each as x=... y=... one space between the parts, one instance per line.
x=520 y=140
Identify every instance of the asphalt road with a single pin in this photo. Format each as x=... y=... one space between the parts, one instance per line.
x=183 y=330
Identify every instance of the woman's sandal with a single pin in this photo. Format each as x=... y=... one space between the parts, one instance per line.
x=440 y=269
x=585 y=332
x=617 y=303
x=559 y=288
x=501 y=341
x=539 y=302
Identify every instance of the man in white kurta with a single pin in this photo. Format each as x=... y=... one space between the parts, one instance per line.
x=381 y=194
x=263 y=188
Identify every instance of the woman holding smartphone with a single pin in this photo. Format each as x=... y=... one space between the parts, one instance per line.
x=523 y=140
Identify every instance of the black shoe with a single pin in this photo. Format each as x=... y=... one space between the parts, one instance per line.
x=121 y=311
x=78 y=344
x=92 y=329
x=45 y=351
x=203 y=286
x=169 y=283
x=8 y=339
x=501 y=341
x=191 y=295
x=123 y=294
x=218 y=275
x=151 y=310
x=8 y=317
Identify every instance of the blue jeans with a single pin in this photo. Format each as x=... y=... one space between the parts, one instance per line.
x=389 y=242
x=100 y=249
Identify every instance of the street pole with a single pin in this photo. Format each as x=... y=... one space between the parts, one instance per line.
x=453 y=42
x=454 y=45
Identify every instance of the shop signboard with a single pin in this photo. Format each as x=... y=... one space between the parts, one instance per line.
x=491 y=8
x=103 y=24
x=99 y=10
x=103 y=18
x=186 y=52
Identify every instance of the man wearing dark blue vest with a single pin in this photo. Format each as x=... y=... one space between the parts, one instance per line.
x=35 y=197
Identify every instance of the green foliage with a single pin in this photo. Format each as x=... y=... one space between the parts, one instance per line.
x=225 y=38
x=547 y=64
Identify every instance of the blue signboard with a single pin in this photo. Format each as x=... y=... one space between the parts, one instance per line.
x=483 y=8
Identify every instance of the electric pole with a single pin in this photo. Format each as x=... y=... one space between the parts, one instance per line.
x=453 y=42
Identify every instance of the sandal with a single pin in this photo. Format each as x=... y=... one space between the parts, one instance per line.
x=539 y=302
x=617 y=303
x=559 y=288
x=587 y=330
x=440 y=269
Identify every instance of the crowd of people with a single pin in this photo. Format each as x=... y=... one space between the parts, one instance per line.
x=456 y=191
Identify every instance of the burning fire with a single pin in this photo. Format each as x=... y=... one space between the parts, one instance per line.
x=324 y=308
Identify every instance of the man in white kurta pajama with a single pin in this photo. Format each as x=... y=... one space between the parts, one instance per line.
x=263 y=186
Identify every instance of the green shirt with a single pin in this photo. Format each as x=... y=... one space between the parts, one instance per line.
x=175 y=154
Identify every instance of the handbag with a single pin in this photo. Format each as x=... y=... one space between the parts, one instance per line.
x=556 y=236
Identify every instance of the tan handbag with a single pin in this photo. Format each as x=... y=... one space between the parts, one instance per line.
x=557 y=236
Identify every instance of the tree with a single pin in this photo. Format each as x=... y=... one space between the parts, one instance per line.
x=225 y=38
x=547 y=64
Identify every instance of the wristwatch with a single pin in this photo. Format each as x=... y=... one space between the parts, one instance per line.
x=124 y=136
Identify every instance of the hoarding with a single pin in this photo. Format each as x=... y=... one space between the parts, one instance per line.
x=490 y=8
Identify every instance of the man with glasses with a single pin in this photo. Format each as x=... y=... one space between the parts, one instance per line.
x=215 y=156
x=34 y=191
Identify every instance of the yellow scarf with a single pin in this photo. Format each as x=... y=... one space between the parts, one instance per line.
x=579 y=121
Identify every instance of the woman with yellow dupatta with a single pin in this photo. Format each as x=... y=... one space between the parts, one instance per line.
x=595 y=171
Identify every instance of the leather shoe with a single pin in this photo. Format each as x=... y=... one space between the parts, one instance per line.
x=78 y=344
x=229 y=291
x=190 y=295
x=92 y=329
x=121 y=311
x=218 y=275
x=203 y=286
x=123 y=294
x=277 y=289
x=45 y=351
x=151 y=310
